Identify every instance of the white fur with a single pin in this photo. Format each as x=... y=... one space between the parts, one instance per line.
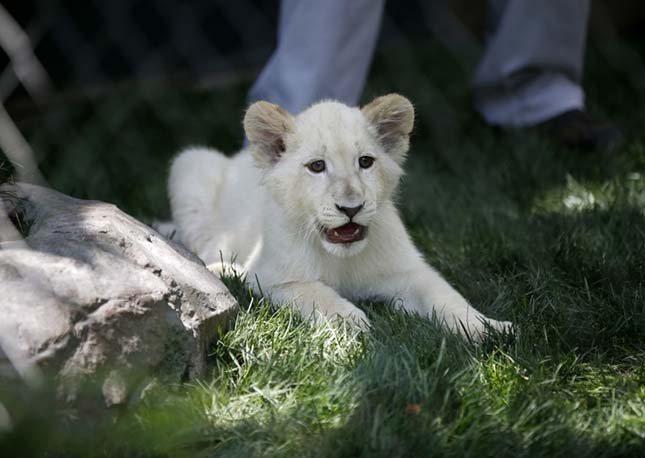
x=264 y=208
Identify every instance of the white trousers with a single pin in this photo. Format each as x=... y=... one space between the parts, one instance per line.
x=530 y=71
x=324 y=51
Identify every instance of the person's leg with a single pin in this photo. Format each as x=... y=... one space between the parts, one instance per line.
x=324 y=52
x=532 y=66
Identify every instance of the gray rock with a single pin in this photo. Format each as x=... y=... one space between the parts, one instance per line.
x=91 y=294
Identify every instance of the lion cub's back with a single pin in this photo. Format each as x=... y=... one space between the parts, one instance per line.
x=216 y=204
x=240 y=216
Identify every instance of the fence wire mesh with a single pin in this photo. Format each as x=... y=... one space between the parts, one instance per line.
x=99 y=95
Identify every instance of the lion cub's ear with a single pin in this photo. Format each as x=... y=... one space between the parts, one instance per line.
x=266 y=125
x=393 y=117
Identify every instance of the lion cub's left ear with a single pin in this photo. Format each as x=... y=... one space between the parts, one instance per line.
x=392 y=116
x=266 y=125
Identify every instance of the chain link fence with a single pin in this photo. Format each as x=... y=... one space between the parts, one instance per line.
x=99 y=95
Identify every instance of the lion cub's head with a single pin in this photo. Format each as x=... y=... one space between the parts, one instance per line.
x=332 y=167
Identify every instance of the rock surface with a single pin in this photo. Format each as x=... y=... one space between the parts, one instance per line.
x=91 y=294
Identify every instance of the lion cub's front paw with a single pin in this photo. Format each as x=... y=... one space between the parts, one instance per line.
x=478 y=330
x=358 y=318
x=502 y=326
x=345 y=313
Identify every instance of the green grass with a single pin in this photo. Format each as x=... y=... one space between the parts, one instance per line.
x=550 y=239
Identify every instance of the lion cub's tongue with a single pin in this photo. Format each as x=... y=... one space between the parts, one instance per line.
x=350 y=232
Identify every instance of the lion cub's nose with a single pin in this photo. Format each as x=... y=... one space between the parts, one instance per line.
x=349 y=211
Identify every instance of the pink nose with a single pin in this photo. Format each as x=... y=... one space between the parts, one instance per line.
x=349 y=211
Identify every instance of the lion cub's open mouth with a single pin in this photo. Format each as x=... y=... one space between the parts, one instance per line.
x=347 y=233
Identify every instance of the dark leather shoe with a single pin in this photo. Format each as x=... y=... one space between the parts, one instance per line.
x=577 y=129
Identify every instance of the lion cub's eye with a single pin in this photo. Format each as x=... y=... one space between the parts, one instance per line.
x=316 y=166
x=365 y=162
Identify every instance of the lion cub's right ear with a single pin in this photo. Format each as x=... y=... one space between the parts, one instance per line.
x=266 y=125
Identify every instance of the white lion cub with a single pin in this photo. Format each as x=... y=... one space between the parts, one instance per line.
x=307 y=212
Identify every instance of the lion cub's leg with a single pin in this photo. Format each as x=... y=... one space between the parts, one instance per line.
x=315 y=299
x=424 y=291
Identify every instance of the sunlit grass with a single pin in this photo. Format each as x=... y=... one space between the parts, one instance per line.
x=575 y=196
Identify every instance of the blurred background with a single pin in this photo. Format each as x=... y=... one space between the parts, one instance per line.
x=102 y=94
